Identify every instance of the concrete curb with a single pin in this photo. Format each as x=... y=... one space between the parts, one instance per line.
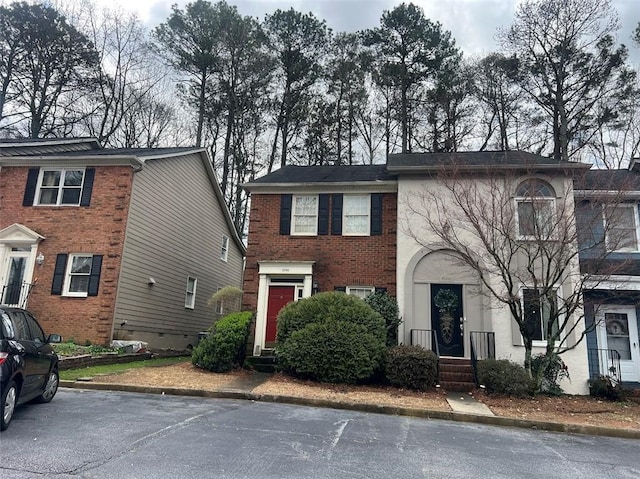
x=373 y=408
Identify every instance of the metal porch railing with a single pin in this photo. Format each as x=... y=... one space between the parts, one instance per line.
x=483 y=346
x=608 y=362
x=428 y=340
x=16 y=294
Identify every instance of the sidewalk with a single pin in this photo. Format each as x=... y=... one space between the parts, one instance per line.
x=464 y=408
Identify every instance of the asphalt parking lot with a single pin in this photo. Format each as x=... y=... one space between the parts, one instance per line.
x=100 y=434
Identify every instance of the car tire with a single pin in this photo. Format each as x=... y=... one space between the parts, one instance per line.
x=8 y=405
x=50 y=389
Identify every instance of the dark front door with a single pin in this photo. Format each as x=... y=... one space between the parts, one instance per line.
x=446 y=316
x=279 y=297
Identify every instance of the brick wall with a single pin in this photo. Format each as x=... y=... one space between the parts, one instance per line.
x=339 y=260
x=97 y=229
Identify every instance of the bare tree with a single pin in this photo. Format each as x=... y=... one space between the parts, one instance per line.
x=522 y=239
x=569 y=63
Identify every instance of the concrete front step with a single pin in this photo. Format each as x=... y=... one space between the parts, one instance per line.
x=262 y=364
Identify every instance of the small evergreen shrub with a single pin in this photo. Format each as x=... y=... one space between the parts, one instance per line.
x=224 y=349
x=555 y=372
x=326 y=307
x=411 y=367
x=387 y=307
x=501 y=376
x=332 y=351
x=604 y=387
x=330 y=337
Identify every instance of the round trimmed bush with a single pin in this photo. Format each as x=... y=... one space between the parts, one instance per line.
x=411 y=367
x=501 y=376
x=224 y=349
x=334 y=352
x=330 y=337
x=325 y=307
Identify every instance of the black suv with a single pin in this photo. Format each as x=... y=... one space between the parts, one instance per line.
x=28 y=363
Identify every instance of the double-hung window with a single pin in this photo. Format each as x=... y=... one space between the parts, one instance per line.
x=356 y=211
x=622 y=228
x=224 y=251
x=535 y=208
x=538 y=309
x=77 y=275
x=304 y=215
x=60 y=187
x=190 y=296
x=360 y=291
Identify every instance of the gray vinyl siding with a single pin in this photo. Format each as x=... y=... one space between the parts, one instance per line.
x=174 y=230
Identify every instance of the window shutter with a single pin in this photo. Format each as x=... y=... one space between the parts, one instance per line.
x=376 y=214
x=89 y=175
x=285 y=214
x=58 y=274
x=336 y=214
x=323 y=214
x=32 y=185
x=94 y=277
x=340 y=288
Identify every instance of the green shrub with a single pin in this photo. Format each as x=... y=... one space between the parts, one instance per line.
x=387 y=307
x=556 y=370
x=501 y=376
x=325 y=307
x=333 y=351
x=224 y=349
x=411 y=367
x=330 y=337
x=606 y=388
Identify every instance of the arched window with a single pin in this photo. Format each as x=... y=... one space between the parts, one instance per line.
x=535 y=208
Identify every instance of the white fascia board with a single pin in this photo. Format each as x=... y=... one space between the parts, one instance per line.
x=62 y=161
x=326 y=187
x=614 y=283
x=606 y=193
x=485 y=168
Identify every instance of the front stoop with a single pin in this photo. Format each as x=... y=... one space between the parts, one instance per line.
x=456 y=375
x=265 y=363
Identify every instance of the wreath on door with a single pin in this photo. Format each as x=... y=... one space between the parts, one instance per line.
x=447 y=302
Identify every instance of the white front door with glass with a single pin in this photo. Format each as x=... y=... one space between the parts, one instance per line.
x=618 y=330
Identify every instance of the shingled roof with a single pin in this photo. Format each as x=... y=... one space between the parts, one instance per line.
x=323 y=174
x=608 y=180
x=475 y=160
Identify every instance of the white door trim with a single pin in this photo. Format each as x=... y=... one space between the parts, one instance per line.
x=629 y=369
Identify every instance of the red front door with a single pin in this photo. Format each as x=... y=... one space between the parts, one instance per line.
x=279 y=297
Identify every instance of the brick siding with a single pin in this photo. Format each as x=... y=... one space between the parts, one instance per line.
x=339 y=260
x=97 y=229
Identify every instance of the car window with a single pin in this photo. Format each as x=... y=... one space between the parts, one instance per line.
x=7 y=326
x=20 y=326
x=36 y=331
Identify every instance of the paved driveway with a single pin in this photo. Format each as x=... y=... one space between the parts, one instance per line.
x=95 y=434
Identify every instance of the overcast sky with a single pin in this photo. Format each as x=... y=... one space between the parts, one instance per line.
x=473 y=23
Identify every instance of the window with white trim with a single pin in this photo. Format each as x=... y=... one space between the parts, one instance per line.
x=304 y=215
x=360 y=291
x=535 y=209
x=190 y=296
x=58 y=187
x=77 y=276
x=537 y=309
x=356 y=215
x=224 y=250
x=622 y=227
